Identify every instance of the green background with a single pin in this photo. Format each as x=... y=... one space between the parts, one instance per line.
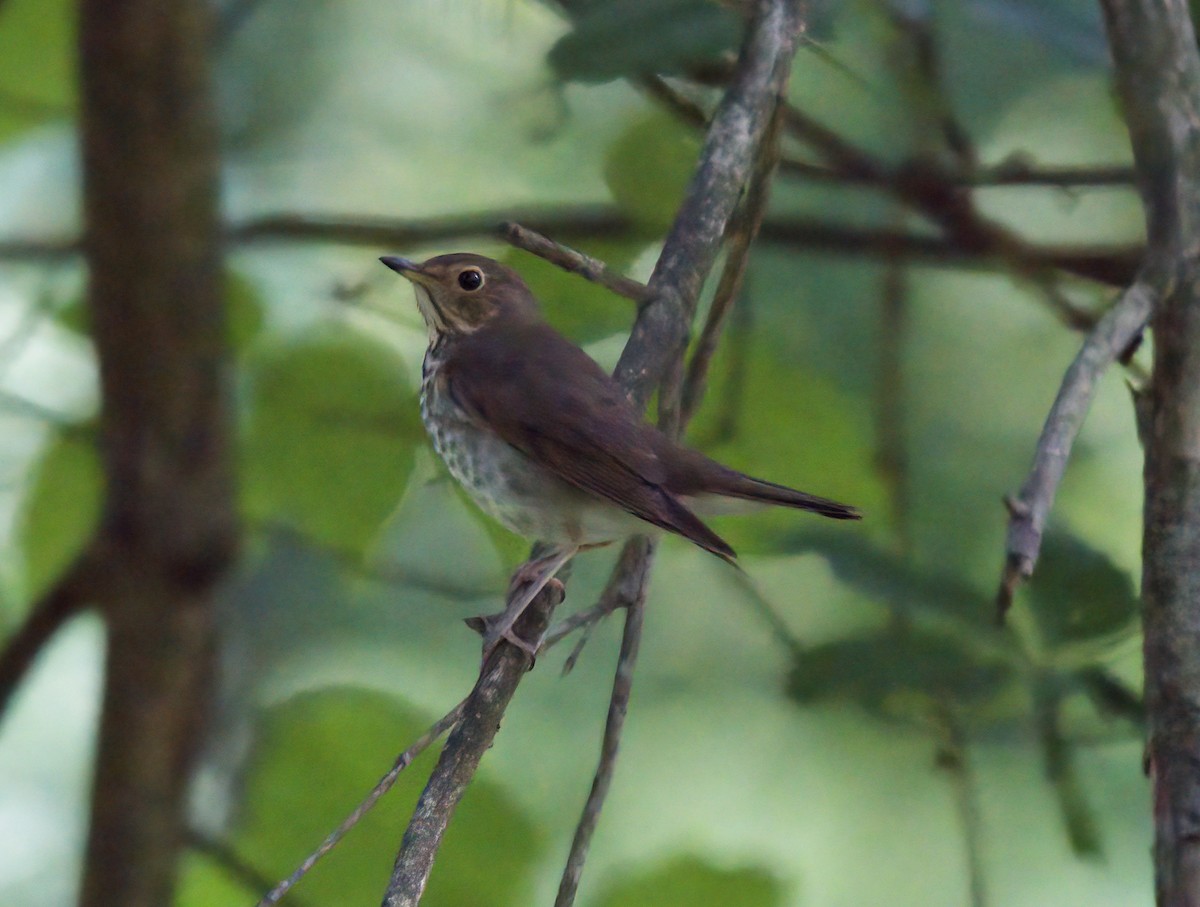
x=750 y=774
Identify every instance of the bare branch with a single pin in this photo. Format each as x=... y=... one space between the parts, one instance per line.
x=233 y=863
x=482 y=712
x=634 y=569
x=1030 y=508
x=743 y=232
x=726 y=160
x=746 y=124
x=69 y=595
x=1157 y=69
x=575 y=261
x=1112 y=265
x=403 y=761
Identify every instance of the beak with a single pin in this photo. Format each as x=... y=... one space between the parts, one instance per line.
x=404 y=267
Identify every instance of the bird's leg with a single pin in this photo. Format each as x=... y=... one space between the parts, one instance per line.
x=534 y=576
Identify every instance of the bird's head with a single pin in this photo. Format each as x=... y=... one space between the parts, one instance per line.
x=460 y=293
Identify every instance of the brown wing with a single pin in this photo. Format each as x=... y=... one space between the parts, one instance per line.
x=551 y=401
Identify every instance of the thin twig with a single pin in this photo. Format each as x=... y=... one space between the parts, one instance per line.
x=1029 y=509
x=566 y=222
x=439 y=727
x=574 y=261
x=589 y=619
x=891 y=451
x=634 y=567
x=235 y=865
x=726 y=162
x=1112 y=265
x=1019 y=171
x=954 y=758
x=743 y=232
x=482 y=712
x=687 y=110
x=69 y=595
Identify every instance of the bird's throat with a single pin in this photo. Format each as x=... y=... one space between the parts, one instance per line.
x=435 y=319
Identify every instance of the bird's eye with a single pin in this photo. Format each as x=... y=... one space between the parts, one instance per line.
x=470 y=279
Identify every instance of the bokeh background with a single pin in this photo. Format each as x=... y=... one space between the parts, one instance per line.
x=847 y=726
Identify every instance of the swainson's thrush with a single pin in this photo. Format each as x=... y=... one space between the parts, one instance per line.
x=544 y=439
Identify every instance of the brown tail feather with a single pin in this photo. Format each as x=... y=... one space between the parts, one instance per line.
x=736 y=485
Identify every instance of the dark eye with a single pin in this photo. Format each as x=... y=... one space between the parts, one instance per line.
x=470 y=279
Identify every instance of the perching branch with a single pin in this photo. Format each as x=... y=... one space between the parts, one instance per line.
x=403 y=761
x=482 y=712
x=655 y=348
x=1030 y=508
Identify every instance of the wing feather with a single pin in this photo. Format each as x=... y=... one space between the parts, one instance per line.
x=551 y=401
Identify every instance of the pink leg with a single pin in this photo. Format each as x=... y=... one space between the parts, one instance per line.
x=527 y=582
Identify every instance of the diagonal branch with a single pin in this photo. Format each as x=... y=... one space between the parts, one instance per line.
x=743 y=232
x=66 y=598
x=1028 y=511
x=574 y=261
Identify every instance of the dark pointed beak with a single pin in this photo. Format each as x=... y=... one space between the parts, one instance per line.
x=402 y=266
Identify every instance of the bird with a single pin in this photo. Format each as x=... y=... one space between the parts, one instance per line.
x=546 y=441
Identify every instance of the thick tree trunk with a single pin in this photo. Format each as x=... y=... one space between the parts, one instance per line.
x=152 y=243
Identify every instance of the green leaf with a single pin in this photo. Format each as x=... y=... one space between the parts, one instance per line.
x=634 y=37
x=37 y=63
x=330 y=438
x=1077 y=593
x=885 y=672
x=61 y=509
x=689 y=881
x=317 y=756
x=648 y=167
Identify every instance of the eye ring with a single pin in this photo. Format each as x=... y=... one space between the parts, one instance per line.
x=470 y=279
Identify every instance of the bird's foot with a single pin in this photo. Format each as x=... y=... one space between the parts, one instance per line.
x=497 y=627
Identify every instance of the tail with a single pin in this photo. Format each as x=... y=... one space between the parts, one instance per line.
x=735 y=485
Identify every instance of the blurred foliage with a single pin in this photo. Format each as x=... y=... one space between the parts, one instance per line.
x=344 y=398
x=621 y=38
x=37 y=79
x=774 y=738
x=690 y=880
x=648 y=167
x=61 y=509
